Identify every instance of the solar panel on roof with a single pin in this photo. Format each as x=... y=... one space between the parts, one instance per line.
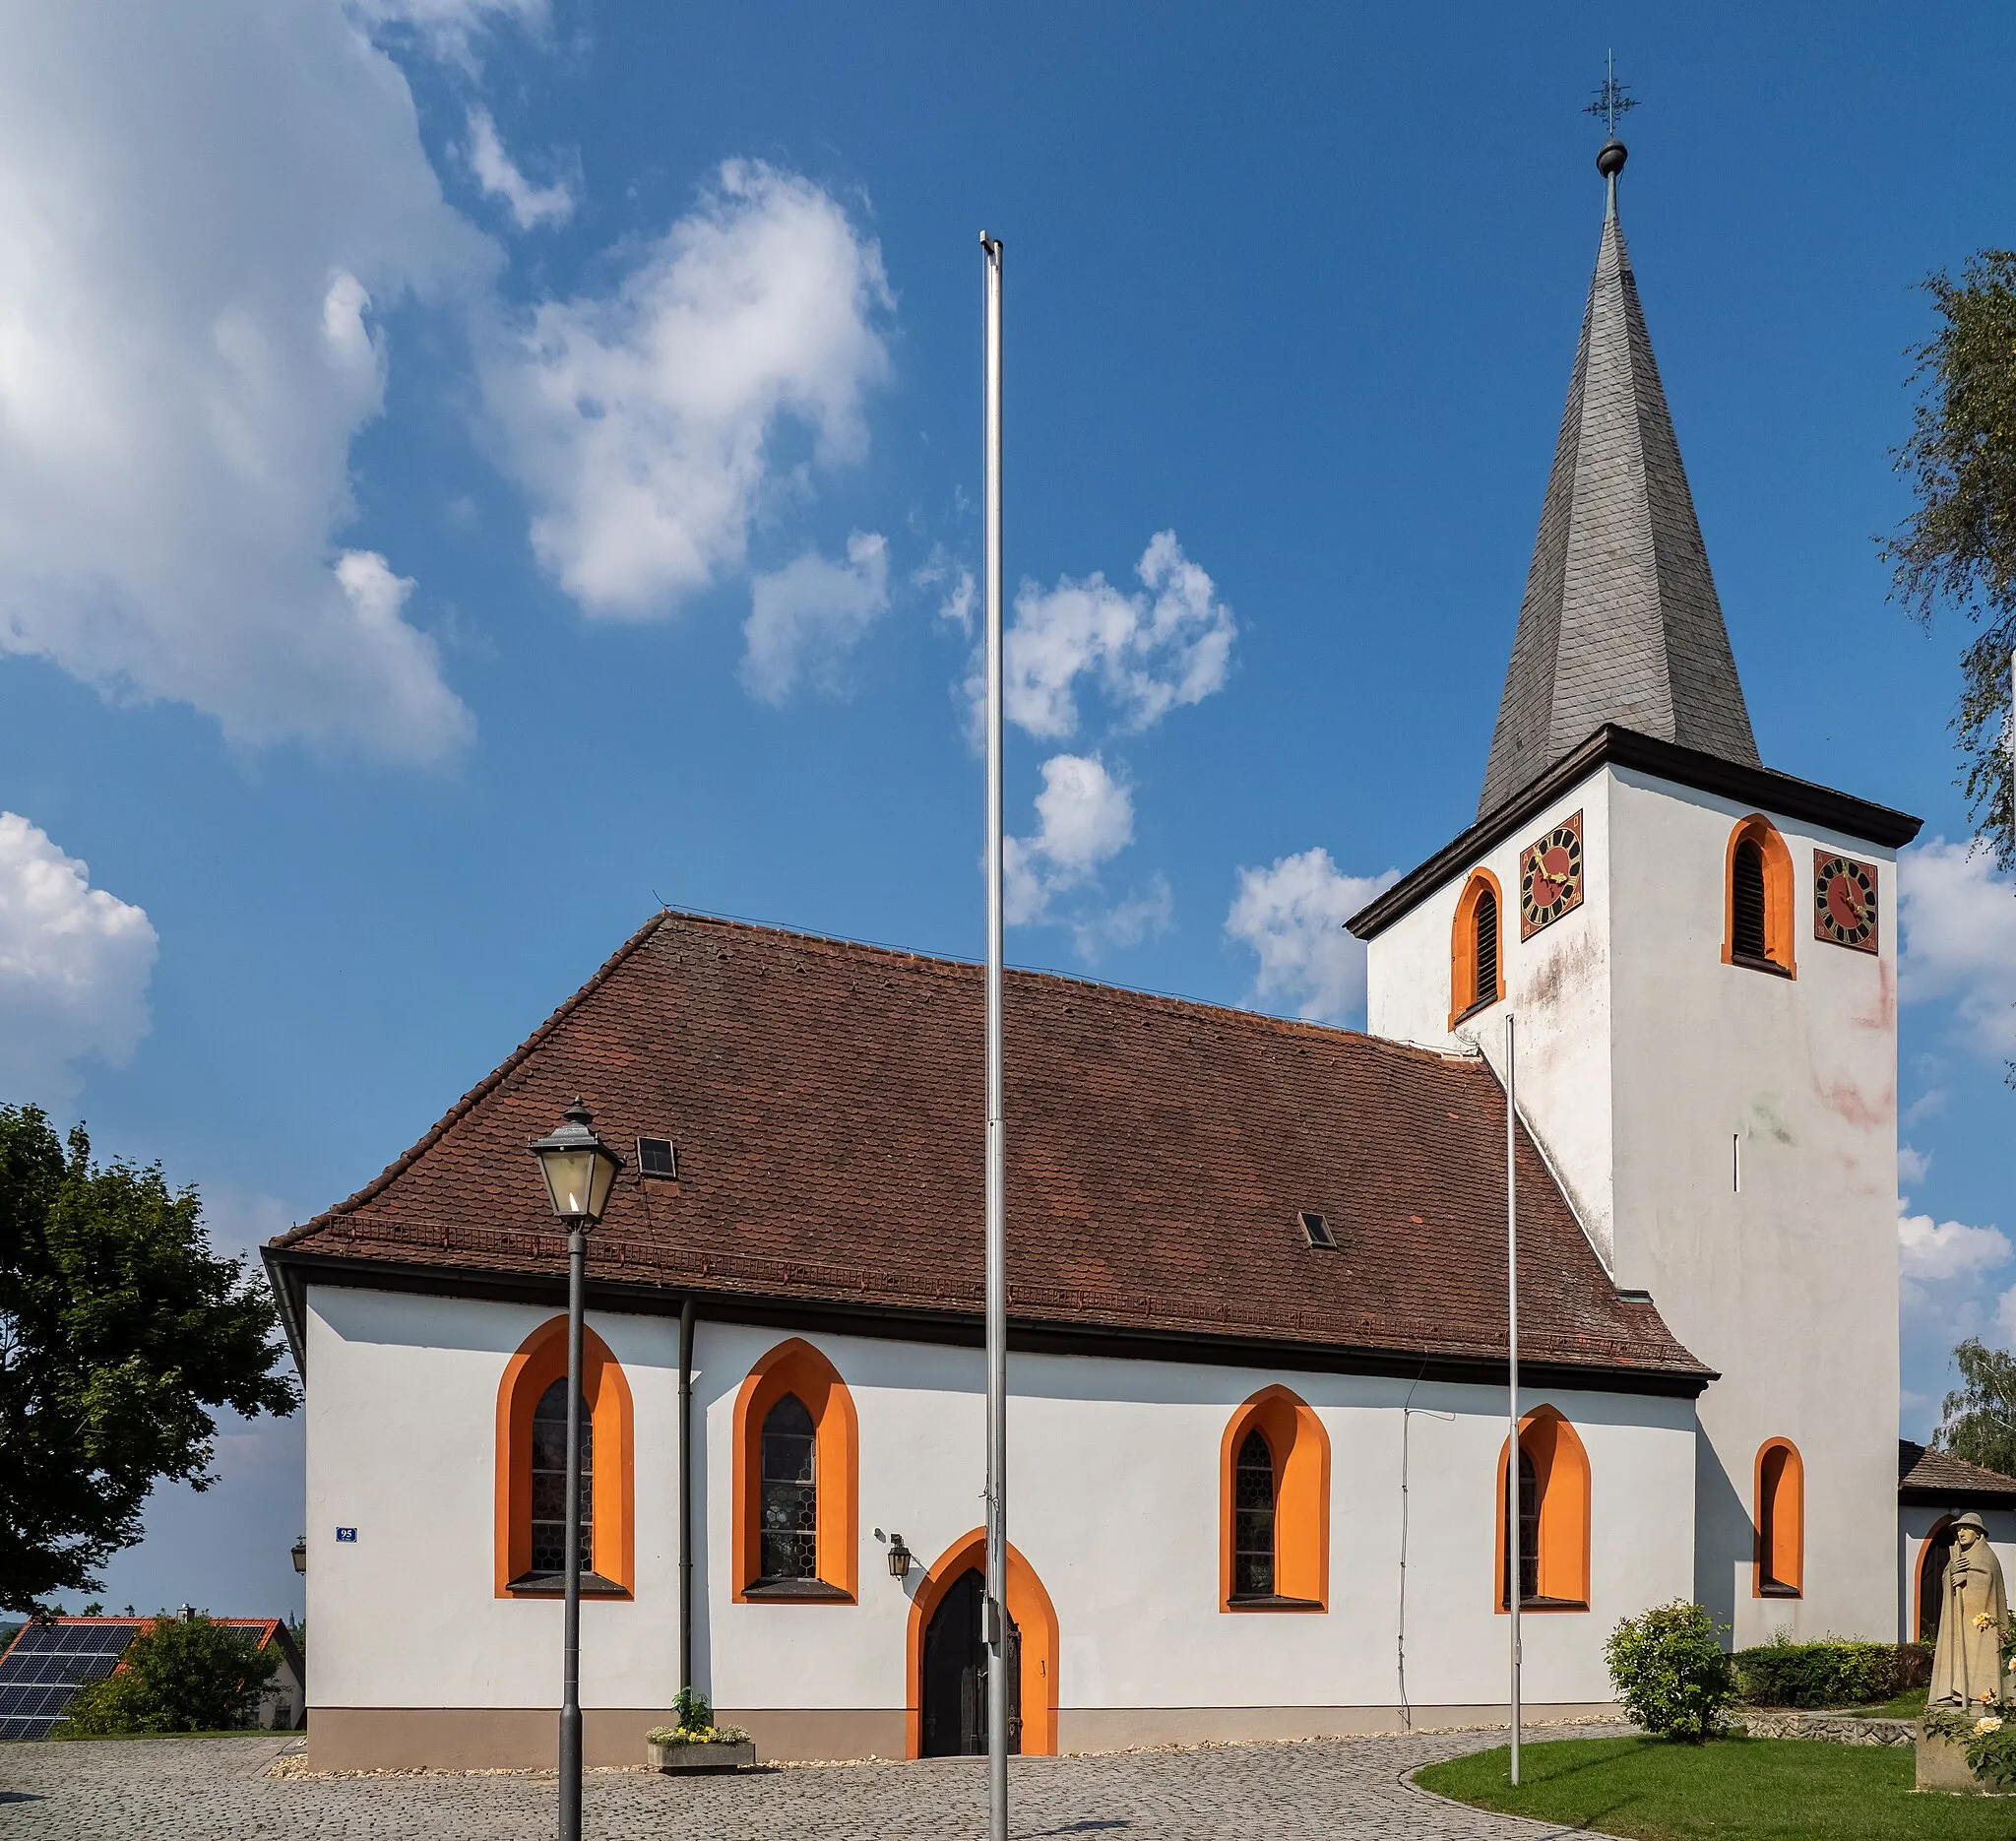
x=39 y=1676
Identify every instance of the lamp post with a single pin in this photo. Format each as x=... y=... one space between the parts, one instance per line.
x=578 y=1169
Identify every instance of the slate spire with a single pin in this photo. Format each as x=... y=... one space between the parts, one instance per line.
x=1620 y=622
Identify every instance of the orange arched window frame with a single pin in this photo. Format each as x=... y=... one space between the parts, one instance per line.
x=797 y=1367
x=1561 y=1468
x=1301 y=1449
x=1035 y=1617
x=538 y=1362
x=1780 y=1500
x=1779 y=902
x=1463 y=992
x=1917 y=1575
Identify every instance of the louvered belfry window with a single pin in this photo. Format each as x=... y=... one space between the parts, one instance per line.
x=1487 y=989
x=791 y=1492
x=1253 y=1519
x=1748 y=938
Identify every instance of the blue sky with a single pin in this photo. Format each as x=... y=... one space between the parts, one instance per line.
x=471 y=470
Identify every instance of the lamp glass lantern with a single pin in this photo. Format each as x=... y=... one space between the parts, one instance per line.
x=899 y=1558
x=299 y=1551
x=579 y=1168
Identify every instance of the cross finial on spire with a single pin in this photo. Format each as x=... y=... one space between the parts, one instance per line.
x=1614 y=98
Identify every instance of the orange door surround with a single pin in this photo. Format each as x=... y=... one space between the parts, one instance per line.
x=1035 y=1617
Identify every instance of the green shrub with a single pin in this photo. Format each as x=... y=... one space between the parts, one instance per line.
x=182 y=1675
x=1829 y=1674
x=1670 y=1671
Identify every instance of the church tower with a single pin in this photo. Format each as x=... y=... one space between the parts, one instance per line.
x=1700 y=954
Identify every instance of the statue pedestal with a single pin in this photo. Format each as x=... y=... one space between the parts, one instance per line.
x=1942 y=1767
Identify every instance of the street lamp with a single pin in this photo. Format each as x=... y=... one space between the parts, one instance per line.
x=578 y=1169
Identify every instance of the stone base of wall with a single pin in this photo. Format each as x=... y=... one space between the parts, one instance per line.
x=475 y=1739
x=1840 y=1729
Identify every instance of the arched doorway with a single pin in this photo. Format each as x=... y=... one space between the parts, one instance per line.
x=952 y=1686
x=1931 y=1578
x=947 y=1676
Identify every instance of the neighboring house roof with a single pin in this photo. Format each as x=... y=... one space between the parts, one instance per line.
x=50 y=1659
x=1620 y=622
x=826 y=1102
x=1927 y=1476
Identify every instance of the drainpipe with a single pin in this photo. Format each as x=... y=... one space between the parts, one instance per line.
x=686 y=1493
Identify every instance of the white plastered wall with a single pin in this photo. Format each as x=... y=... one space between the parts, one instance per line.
x=1642 y=1061
x=401 y=1418
x=1113 y=1501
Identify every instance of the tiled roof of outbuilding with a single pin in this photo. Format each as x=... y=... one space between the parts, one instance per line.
x=1925 y=1474
x=826 y=1101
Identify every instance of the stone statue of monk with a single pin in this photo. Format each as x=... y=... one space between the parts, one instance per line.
x=1966 y=1664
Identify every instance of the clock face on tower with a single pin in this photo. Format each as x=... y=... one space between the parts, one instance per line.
x=1845 y=901
x=1550 y=876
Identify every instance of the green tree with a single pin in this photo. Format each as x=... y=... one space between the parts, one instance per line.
x=185 y=1675
x=119 y=1331
x=1977 y=1421
x=1957 y=546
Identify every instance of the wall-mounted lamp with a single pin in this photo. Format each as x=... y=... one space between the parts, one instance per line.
x=899 y=1558
x=299 y=1549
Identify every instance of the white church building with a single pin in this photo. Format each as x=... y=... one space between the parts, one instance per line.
x=1257 y=1411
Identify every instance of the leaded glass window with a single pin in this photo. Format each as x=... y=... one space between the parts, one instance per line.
x=549 y=1483
x=791 y=1492
x=1253 y=1519
x=1529 y=1529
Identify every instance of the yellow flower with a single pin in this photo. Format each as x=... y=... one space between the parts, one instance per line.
x=1987 y=1724
x=1981 y=1620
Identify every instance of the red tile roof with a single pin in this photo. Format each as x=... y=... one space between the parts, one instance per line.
x=826 y=1101
x=1925 y=1474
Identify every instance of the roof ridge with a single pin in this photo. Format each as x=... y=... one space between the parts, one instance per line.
x=482 y=1090
x=1239 y=1014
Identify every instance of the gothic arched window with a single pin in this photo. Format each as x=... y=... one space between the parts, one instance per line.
x=1253 y=1519
x=797 y=1481
x=791 y=1492
x=549 y=1483
x=1553 y=1517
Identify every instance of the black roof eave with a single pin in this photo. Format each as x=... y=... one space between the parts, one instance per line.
x=1760 y=787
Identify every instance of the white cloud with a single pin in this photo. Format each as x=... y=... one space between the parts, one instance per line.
x=532 y=206
x=1949 y=1249
x=954 y=585
x=1913 y=1165
x=1292 y=913
x=449 y=28
x=1128 y=922
x=1149 y=652
x=74 y=968
x=1083 y=818
x=807 y=616
x=207 y=206
x=1959 y=929
x=643 y=423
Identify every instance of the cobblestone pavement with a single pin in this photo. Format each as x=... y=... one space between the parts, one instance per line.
x=220 y=1790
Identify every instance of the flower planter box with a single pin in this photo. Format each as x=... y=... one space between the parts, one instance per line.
x=688 y=1759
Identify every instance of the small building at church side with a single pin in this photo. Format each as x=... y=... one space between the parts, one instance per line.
x=1257 y=1428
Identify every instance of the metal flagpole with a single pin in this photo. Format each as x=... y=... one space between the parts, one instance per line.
x=1514 y=1560
x=996 y=1631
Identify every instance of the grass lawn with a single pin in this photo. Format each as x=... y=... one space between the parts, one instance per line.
x=1757 y=1788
